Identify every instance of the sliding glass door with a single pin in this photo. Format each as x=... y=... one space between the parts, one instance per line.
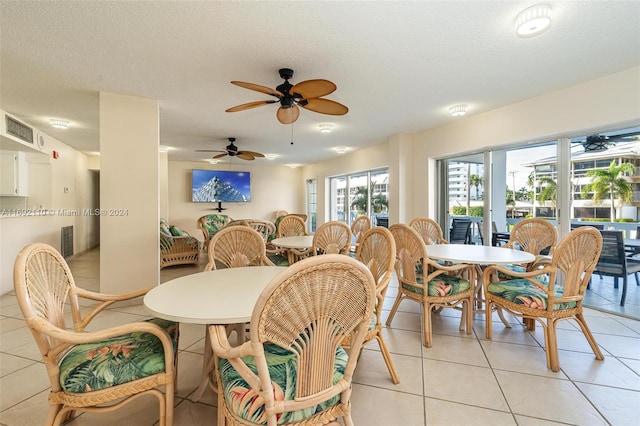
x=365 y=193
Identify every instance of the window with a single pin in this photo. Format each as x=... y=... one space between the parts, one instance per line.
x=368 y=194
x=312 y=204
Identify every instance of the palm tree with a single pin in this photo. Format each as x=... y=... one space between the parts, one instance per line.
x=379 y=201
x=475 y=180
x=549 y=191
x=610 y=183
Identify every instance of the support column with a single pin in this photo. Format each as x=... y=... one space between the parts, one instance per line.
x=400 y=179
x=129 y=193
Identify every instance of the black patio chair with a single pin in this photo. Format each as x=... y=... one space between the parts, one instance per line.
x=614 y=262
x=460 y=232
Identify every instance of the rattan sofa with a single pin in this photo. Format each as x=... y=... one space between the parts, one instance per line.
x=177 y=247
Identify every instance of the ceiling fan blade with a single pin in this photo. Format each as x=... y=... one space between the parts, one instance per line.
x=258 y=88
x=325 y=106
x=249 y=105
x=220 y=155
x=288 y=115
x=313 y=88
x=245 y=156
x=251 y=153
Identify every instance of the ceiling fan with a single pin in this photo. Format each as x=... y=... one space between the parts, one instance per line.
x=232 y=151
x=307 y=94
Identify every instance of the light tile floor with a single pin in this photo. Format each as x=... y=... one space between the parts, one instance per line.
x=462 y=380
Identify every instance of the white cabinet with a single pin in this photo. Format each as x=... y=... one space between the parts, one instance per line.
x=13 y=173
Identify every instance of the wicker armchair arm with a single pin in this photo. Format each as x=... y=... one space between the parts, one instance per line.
x=529 y=276
x=541 y=261
x=222 y=349
x=104 y=297
x=107 y=300
x=450 y=268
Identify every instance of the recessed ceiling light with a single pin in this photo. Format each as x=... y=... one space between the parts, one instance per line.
x=270 y=156
x=293 y=166
x=163 y=148
x=59 y=124
x=534 y=20
x=341 y=149
x=458 y=110
x=326 y=128
x=212 y=161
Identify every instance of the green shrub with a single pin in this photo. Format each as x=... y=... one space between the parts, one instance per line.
x=462 y=211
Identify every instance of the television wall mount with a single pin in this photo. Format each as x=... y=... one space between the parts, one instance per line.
x=219 y=208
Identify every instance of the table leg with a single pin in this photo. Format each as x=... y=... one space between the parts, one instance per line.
x=479 y=299
x=207 y=369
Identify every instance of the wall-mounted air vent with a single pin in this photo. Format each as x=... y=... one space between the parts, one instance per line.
x=18 y=129
x=66 y=241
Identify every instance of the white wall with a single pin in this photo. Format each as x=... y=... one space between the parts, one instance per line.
x=69 y=171
x=272 y=188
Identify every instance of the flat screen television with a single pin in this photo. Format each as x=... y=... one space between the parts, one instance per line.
x=220 y=186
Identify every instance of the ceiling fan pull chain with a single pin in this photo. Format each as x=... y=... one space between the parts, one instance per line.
x=291 y=133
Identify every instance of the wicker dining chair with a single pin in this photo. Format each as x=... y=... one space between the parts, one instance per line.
x=535 y=236
x=429 y=230
x=293 y=370
x=551 y=294
x=265 y=228
x=359 y=226
x=291 y=226
x=331 y=238
x=237 y=246
x=377 y=250
x=429 y=283
x=96 y=371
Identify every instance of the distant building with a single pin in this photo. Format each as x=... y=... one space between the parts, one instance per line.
x=459 y=177
x=581 y=162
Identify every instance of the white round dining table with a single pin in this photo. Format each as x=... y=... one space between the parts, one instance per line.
x=222 y=296
x=296 y=242
x=478 y=255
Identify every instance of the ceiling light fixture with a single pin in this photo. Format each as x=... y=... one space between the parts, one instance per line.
x=211 y=161
x=163 y=148
x=341 y=150
x=270 y=156
x=533 y=21
x=293 y=166
x=59 y=124
x=458 y=110
x=326 y=128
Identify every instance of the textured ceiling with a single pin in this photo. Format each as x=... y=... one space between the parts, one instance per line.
x=398 y=65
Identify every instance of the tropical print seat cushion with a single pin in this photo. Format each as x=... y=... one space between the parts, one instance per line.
x=175 y=231
x=164 y=227
x=215 y=222
x=93 y=366
x=211 y=228
x=278 y=259
x=245 y=403
x=523 y=292
x=442 y=285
